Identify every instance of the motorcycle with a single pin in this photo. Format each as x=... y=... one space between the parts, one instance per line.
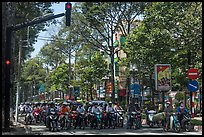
x=150 y=122
x=65 y=121
x=98 y=122
x=105 y=119
x=120 y=119
x=82 y=117
x=138 y=123
x=132 y=120
x=43 y=116
x=37 y=116
x=185 y=123
x=112 y=117
x=74 y=119
x=53 y=121
x=28 y=118
x=174 y=124
x=21 y=110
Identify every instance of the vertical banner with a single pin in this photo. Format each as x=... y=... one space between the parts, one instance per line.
x=163 y=77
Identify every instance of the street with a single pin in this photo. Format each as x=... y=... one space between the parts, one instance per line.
x=40 y=129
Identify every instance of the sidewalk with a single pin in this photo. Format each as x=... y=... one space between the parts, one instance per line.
x=198 y=128
x=18 y=129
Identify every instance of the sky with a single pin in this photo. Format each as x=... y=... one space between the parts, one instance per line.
x=51 y=30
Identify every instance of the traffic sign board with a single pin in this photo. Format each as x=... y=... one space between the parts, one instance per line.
x=193 y=86
x=192 y=73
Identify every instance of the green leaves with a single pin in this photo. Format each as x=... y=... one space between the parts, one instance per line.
x=167 y=25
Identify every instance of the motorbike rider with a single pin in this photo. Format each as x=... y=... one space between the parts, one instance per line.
x=51 y=107
x=109 y=109
x=131 y=108
x=36 y=108
x=64 y=110
x=79 y=109
x=28 y=109
x=168 y=111
x=117 y=108
x=21 y=108
x=94 y=110
x=180 y=111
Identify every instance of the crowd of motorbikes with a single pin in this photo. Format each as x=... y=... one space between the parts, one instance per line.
x=102 y=120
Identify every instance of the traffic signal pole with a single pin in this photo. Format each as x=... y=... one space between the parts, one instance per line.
x=9 y=31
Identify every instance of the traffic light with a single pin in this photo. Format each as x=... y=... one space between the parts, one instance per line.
x=68 y=8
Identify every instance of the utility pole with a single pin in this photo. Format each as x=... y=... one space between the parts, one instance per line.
x=18 y=78
x=69 y=73
x=9 y=31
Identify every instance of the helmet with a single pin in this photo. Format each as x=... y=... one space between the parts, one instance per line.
x=22 y=103
x=109 y=102
x=90 y=103
x=168 y=102
x=64 y=103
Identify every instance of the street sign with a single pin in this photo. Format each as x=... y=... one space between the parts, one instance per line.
x=134 y=87
x=193 y=86
x=192 y=73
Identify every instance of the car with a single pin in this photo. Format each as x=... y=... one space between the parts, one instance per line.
x=99 y=102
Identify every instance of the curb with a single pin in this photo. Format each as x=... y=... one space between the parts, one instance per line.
x=197 y=128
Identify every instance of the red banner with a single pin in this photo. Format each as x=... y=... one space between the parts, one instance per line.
x=122 y=92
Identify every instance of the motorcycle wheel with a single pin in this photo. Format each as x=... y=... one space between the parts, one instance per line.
x=187 y=126
x=139 y=124
x=113 y=122
x=83 y=124
x=177 y=128
x=151 y=124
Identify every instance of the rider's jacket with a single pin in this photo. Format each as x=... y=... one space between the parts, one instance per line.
x=64 y=109
x=182 y=109
x=28 y=109
x=80 y=110
x=109 y=109
x=95 y=109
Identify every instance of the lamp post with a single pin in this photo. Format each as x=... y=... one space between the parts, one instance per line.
x=87 y=90
x=133 y=69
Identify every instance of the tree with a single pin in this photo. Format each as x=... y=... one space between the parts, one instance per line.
x=32 y=75
x=165 y=26
x=179 y=96
x=99 y=24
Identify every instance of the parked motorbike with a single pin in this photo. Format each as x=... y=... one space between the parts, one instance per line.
x=53 y=118
x=185 y=123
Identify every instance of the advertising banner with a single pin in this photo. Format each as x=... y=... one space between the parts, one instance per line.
x=163 y=77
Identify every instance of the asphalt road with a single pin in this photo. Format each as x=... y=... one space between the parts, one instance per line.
x=40 y=129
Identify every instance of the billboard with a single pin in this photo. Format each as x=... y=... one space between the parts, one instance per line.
x=163 y=77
